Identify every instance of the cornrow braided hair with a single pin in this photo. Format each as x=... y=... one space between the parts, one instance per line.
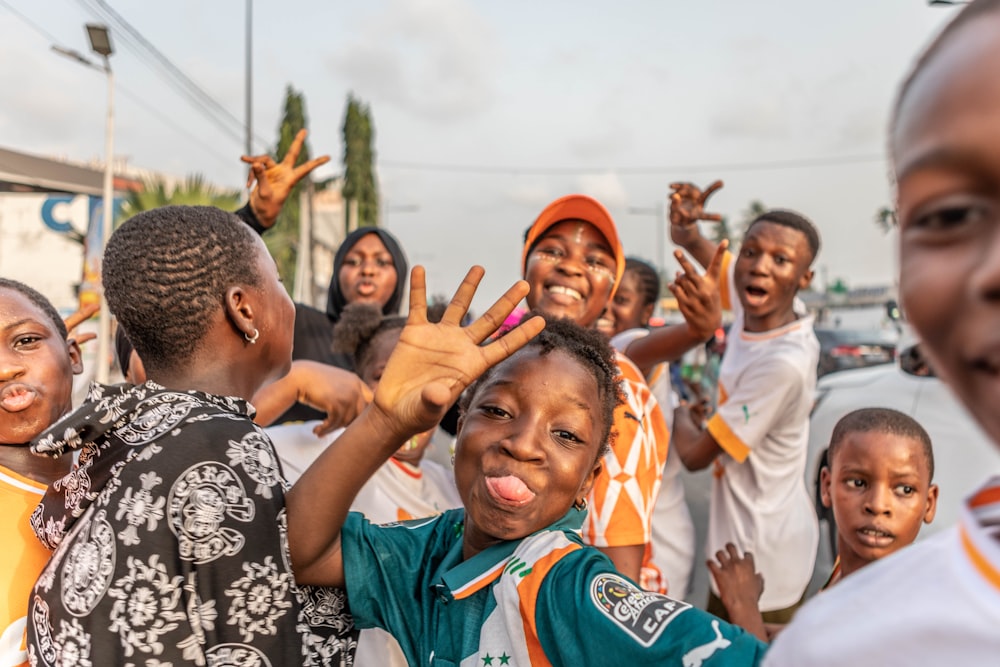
x=649 y=279
x=593 y=352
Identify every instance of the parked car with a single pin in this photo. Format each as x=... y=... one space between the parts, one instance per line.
x=842 y=349
x=963 y=454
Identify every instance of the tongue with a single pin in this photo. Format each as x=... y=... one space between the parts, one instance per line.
x=511 y=489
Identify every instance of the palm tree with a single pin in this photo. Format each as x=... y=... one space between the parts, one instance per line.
x=193 y=191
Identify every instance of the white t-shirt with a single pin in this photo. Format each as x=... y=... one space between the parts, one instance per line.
x=396 y=492
x=759 y=497
x=936 y=602
x=673 y=536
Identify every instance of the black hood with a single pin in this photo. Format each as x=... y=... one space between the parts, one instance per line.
x=335 y=300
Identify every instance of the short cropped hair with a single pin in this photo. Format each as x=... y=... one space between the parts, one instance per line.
x=881 y=420
x=649 y=279
x=166 y=270
x=38 y=299
x=793 y=220
x=589 y=348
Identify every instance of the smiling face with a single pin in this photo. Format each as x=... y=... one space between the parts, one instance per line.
x=527 y=446
x=368 y=274
x=772 y=266
x=571 y=272
x=880 y=489
x=947 y=161
x=628 y=309
x=36 y=369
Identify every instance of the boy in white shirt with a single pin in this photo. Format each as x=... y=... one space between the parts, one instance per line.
x=758 y=437
x=938 y=601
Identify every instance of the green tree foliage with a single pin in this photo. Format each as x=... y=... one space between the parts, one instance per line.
x=721 y=231
x=359 y=162
x=193 y=191
x=283 y=239
x=885 y=218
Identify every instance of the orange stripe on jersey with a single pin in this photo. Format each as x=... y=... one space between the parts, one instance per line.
x=723 y=396
x=727 y=257
x=981 y=563
x=480 y=582
x=729 y=441
x=408 y=469
x=987 y=496
x=528 y=595
x=774 y=333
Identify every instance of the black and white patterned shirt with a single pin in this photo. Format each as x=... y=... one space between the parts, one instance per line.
x=171 y=544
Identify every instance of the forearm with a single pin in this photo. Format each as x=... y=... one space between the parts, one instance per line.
x=746 y=614
x=696 y=245
x=249 y=216
x=627 y=559
x=667 y=343
x=273 y=399
x=319 y=501
x=695 y=446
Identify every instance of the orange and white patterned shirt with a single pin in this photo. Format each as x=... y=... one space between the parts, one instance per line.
x=22 y=558
x=621 y=502
x=936 y=602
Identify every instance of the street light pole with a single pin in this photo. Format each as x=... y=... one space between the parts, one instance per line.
x=100 y=43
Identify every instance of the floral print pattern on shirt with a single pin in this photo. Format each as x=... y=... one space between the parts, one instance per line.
x=170 y=541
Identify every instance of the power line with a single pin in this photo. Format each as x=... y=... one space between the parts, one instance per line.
x=211 y=108
x=634 y=171
x=52 y=39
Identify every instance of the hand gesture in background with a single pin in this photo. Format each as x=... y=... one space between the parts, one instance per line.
x=73 y=321
x=698 y=295
x=275 y=180
x=740 y=587
x=433 y=362
x=687 y=207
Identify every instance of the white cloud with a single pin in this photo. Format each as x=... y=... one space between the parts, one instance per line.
x=607 y=188
x=430 y=57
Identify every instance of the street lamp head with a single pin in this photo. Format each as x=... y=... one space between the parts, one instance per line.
x=100 y=39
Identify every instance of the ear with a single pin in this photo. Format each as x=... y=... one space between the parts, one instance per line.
x=825 y=479
x=932 y=498
x=239 y=310
x=806 y=279
x=588 y=481
x=75 y=356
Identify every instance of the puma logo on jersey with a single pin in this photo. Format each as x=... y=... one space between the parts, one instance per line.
x=699 y=654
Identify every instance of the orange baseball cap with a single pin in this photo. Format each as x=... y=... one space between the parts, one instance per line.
x=577 y=207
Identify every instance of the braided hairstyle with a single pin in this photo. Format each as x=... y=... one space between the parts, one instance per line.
x=649 y=279
x=591 y=350
x=166 y=270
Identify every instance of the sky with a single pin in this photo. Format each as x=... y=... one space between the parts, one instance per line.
x=486 y=111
